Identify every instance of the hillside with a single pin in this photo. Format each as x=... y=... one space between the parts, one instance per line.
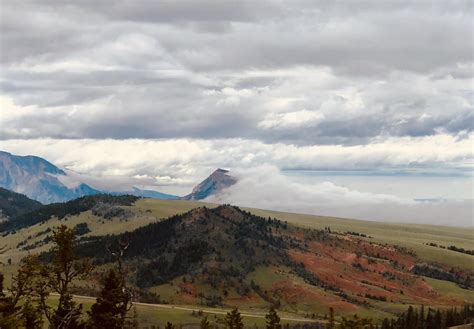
x=182 y=253
x=226 y=256
x=14 y=204
x=61 y=210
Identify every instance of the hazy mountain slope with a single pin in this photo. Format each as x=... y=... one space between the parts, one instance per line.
x=217 y=181
x=14 y=204
x=38 y=179
x=42 y=181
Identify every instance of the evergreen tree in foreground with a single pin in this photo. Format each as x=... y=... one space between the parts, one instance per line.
x=273 y=320
x=21 y=307
x=106 y=312
x=233 y=319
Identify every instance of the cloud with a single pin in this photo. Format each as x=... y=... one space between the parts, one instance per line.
x=266 y=188
x=159 y=94
x=184 y=162
x=296 y=73
x=296 y=119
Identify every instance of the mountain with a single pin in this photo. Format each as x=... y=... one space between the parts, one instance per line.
x=217 y=181
x=38 y=179
x=148 y=194
x=13 y=204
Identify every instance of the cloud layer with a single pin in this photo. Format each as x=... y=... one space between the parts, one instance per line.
x=297 y=72
x=271 y=190
x=158 y=94
x=183 y=162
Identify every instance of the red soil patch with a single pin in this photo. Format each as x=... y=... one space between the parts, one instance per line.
x=366 y=270
x=293 y=293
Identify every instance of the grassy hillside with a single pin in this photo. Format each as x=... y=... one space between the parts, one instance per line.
x=408 y=235
x=224 y=256
x=348 y=271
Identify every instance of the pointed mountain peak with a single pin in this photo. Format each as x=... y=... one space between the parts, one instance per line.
x=216 y=182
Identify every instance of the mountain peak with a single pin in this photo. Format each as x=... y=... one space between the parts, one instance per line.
x=217 y=181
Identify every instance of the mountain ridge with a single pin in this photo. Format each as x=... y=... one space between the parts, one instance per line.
x=43 y=181
x=38 y=179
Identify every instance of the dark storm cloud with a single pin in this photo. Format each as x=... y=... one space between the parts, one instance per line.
x=300 y=72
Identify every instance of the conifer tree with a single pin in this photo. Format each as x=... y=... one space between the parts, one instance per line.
x=273 y=320
x=21 y=306
x=422 y=319
x=31 y=315
x=233 y=320
x=7 y=310
x=438 y=319
x=106 y=312
x=331 y=323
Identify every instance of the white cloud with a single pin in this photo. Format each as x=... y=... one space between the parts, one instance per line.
x=266 y=188
x=296 y=73
x=184 y=162
x=295 y=119
x=160 y=94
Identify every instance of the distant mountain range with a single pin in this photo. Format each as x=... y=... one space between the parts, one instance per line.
x=148 y=194
x=42 y=181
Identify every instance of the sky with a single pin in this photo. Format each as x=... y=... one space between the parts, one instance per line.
x=371 y=97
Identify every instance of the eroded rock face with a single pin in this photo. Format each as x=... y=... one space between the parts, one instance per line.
x=217 y=181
